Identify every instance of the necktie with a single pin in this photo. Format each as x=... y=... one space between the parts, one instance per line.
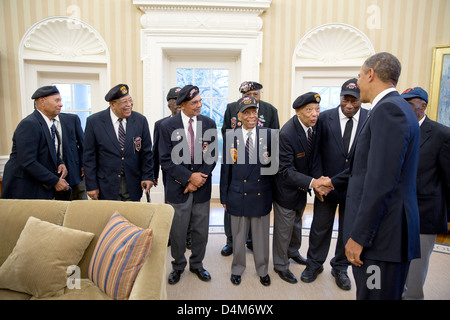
x=54 y=137
x=249 y=146
x=310 y=139
x=121 y=135
x=347 y=134
x=191 y=139
x=121 y=142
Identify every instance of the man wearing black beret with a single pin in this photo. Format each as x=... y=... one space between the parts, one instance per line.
x=298 y=157
x=267 y=117
x=187 y=147
x=34 y=169
x=118 y=159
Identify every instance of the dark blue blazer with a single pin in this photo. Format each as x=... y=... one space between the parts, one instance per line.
x=179 y=168
x=243 y=188
x=156 y=157
x=334 y=159
x=31 y=171
x=296 y=166
x=381 y=212
x=433 y=177
x=103 y=158
x=72 y=146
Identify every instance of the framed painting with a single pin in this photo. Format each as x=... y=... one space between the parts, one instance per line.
x=439 y=104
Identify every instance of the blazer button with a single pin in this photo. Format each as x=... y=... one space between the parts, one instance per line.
x=245 y=181
x=259 y=180
x=245 y=194
x=259 y=194
x=123 y=158
x=118 y=176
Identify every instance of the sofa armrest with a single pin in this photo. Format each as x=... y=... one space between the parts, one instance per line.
x=153 y=272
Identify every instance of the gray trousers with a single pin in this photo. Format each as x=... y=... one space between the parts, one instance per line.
x=287 y=235
x=418 y=269
x=260 y=237
x=197 y=216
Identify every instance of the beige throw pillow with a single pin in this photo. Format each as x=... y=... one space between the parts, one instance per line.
x=38 y=263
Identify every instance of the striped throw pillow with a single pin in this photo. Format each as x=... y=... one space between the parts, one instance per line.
x=118 y=256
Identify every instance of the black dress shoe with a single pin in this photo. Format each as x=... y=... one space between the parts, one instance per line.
x=188 y=244
x=235 y=279
x=265 y=280
x=201 y=273
x=342 y=279
x=309 y=274
x=250 y=245
x=174 y=276
x=226 y=251
x=299 y=259
x=287 y=276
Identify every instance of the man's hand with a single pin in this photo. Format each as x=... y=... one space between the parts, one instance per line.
x=148 y=185
x=62 y=185
x=94 y=194
x=198 y=179
x=353 y=252
x=62 y=171
x=322 y=187
x=190 y=188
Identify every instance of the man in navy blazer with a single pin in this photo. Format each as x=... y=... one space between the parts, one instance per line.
x=246 y=190
x=298 y=156
x=433 y=189
x=34 y=171
x=337 y=129
x=112 y=171
x=72 y=145
x=188 y=153
x=381 y=227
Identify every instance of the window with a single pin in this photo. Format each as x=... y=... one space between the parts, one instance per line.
x=330 y=97
x=214 y=91
x=76 y=99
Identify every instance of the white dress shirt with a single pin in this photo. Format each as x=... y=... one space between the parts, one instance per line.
x=115 y=122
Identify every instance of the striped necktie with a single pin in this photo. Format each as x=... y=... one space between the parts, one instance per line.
x=249 y=146
x=191 y=139
x=310 y=139
x=121 y=135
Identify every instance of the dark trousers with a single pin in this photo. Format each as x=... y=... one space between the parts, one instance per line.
x=321 y=232
x=380 y=280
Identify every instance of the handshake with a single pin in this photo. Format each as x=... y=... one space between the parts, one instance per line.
x=322 y=187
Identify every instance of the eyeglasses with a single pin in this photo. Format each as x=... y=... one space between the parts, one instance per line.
x=125 y=102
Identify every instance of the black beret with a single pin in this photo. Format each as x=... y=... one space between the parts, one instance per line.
x=350 y=88
x=45 y=92
x=247 y=102
x=188 y=93
x=307 y=98
x=119 y=91
x=250 y=86
x=173 y=93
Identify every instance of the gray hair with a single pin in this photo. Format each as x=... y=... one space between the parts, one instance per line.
x=385 y=65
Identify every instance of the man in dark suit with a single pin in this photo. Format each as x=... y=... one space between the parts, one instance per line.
x=72 y=145
x=433 y=189
x=337 y=129
x=172 y=96
x=118 y=160
x=188 y=153
x=34 y=169
x=245 y=191
x=267 y=117
x=298 y=156
x=381 y=227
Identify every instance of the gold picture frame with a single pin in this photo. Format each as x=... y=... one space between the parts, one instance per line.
x=439 y=102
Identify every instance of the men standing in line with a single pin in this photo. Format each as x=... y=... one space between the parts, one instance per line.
x=34 y=169
x=245 y=192
x=188 y=152
x=381 y=227
x=267 y=117
x=433 y=189
x=338 y=128
x=298 y=156
x=118 y=160
x=72 y=145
